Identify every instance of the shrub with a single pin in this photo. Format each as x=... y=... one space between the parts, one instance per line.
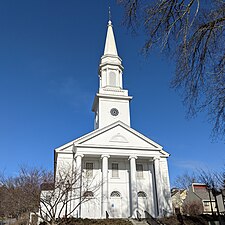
x=193 y=208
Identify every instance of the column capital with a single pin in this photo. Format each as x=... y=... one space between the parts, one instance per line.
x=132 y=157
x=79 y=155
x=105 y=155
x=156 y=158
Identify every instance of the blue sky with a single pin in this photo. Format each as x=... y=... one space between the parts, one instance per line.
x=49 y=56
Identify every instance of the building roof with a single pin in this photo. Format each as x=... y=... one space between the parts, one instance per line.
x=175 y=191
x=201 y=191
x=115 y=128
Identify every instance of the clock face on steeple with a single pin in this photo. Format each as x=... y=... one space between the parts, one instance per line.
x=114 y=112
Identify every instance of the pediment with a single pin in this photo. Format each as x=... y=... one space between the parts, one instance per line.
x=117 y=135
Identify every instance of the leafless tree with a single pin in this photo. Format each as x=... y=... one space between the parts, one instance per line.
x=193 y=32
x=63 y=197
x=15 y=192
x=210 y=178
x=221 y=178
x=214 y=185
x=49 y=198
x=193 y=208
x=185 y=180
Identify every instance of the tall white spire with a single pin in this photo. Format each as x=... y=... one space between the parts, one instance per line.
x=110 y=59
x=111 y=103
x=110 y=43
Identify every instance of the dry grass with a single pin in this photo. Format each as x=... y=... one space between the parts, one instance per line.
x=189 y=220
x=96 y=222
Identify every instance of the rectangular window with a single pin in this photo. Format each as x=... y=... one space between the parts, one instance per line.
x=89 y=170
x=115 y=170
x=139 y=168
x=206 y=203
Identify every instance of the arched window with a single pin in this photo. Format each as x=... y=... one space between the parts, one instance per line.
x=115 y=194
x=88 y=194
x=142 y=194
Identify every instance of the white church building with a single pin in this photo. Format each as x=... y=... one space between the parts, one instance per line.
x=131 y=169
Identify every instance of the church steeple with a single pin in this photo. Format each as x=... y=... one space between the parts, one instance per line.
x=112 y=101
x=110 y=44
x=110 y=68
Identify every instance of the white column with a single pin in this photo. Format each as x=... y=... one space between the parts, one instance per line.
x=133 y=186
x=104 y=184
x=79 y=181
x=158 y=184
x=152 y=208
x=121 y=80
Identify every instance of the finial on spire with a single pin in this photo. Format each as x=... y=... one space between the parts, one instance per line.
x=109 y=14
x=110 y=44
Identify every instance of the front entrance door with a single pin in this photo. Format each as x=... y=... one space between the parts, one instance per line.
x=115 y=205
x=142 y=203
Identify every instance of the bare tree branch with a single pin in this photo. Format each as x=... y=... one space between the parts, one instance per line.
x=193 y=32
x=70 y=187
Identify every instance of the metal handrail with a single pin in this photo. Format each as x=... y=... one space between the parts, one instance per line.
x=150 y=219
x=138 y=215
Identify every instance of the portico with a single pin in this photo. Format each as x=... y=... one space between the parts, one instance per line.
x=117 y=172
